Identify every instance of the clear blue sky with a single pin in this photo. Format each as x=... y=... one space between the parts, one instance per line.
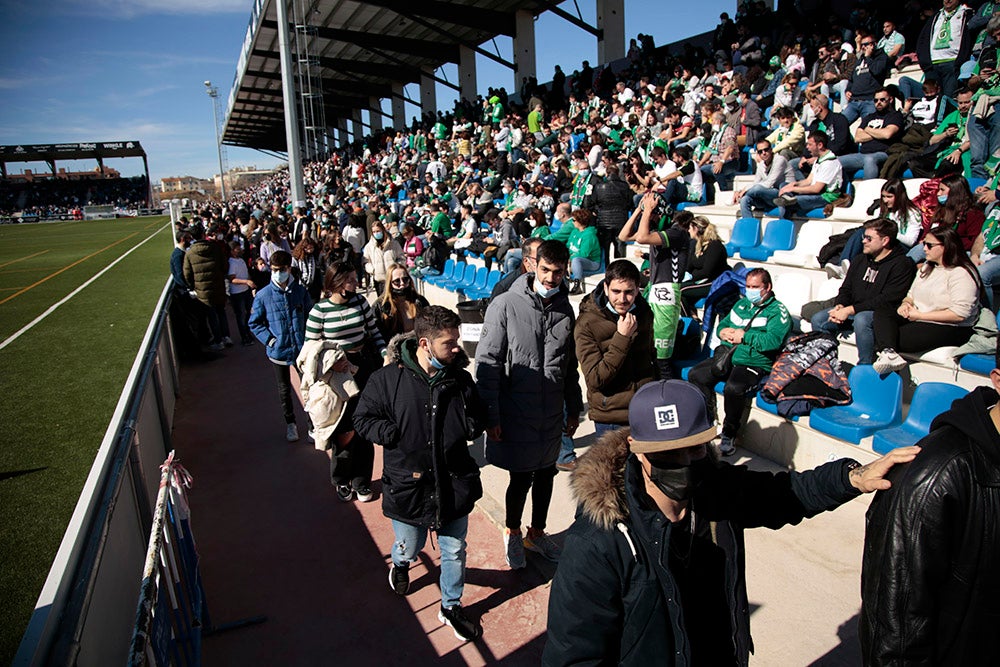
x=108 y=70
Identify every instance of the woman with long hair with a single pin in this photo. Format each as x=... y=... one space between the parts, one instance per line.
x=381 y=252
x=306 y=266
x=706 y=262
x=345 y=318
x=335 y=249
x=940 y=309
x=273 y=242
x=955 y=208
x=399 y=303
x=893 y=204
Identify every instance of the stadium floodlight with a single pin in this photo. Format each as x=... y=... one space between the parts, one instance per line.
x=213 y=92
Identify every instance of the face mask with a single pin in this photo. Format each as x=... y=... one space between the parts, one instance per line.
x=715 y=128
x=544 y=292
x=753 y=294
x=280 y=277
x=680 y=482
x=378 y=236
x=435 y=362
x=942 y=199
x=347 y=295
x=612 y=308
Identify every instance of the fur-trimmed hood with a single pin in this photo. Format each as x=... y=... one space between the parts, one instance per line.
x=598 y=483
x=394 y=351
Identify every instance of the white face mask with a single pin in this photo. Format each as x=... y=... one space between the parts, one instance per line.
x=280 y=277
x=544 y=292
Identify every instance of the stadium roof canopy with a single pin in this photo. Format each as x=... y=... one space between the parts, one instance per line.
x=362 y=49
x=50 y=153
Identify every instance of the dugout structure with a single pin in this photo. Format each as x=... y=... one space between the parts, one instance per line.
x=52 y=153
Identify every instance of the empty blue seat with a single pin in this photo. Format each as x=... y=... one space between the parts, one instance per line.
x=482 y=275
x=978 y=363
x=975 y=182
x=446 y=274
x=746 y=233
x=491 y=282
x=929 y=400
x=465 y=275
x=878 y=404
x=778 y=235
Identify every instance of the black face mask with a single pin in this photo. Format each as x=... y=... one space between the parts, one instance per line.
x=400 y=291
x=679 y=483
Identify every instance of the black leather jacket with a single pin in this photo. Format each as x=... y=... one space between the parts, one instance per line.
x=930 y=581
x=611 y=199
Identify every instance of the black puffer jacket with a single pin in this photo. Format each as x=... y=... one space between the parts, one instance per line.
x=930 y=581
x=611 y=200
x=614 y=598
x=424 y=426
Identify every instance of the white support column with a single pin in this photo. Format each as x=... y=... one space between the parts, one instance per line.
x=375 y=118
x=611 y=19
x=428 y=91
x=467 y=72
x=524 y=47
x=292 y=130
x=398 y=107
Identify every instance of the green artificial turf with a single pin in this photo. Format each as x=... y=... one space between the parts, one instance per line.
x=61 y=380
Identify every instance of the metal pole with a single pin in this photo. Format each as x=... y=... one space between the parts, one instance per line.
x=291 y=111
x=213 y=92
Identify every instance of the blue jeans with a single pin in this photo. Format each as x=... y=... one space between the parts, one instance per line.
x=853 y=246
x=512 y=260
x=582 y=265
x=989 y=272
x=911 y=88
x=917 y=254
x=757 y=196
x=858 y=109
x=724 y=178
x=567 y=453
x=451 y=540
x=984 y=140
x=600 y=428
x=864 y=331
x=804 y=204
x=870 y=162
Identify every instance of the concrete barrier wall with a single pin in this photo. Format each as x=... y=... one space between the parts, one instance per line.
x=85 y=612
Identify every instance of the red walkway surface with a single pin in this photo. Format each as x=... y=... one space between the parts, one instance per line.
x=275 y=541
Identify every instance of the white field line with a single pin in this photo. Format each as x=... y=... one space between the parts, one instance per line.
x=79 y=289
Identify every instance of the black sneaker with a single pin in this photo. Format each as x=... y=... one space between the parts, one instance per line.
x=399 y=578
x=364 y=492
x=465 y=628
x=345 y=492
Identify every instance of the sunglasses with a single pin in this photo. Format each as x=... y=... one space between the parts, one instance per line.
x=400 y=281
x=882 y=99
x=868 y=237
x=930 y=244
x=867 y=43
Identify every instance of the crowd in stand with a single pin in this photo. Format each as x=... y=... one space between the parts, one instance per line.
x=559 y=185
x=46 y=198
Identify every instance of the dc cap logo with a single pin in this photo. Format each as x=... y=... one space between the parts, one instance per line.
x=666 y=417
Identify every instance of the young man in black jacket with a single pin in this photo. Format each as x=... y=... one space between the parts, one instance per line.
x=929 y=578
x=653 y=568
x=878 y=278
x=423 y=409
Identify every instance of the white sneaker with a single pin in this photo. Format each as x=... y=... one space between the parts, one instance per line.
x=888 y=361
x=513 y=546
x=292 y=433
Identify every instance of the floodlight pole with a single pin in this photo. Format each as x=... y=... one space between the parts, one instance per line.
x=213 y=92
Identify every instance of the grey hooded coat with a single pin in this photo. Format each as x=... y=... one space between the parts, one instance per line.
x=526 y=371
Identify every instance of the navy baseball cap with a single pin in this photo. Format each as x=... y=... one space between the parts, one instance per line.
x=669 y=414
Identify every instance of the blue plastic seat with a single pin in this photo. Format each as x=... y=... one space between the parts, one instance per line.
x=482 y=275
x=975 y=182
x=778 y=235
x=746 y=233
x=772 y=408
x=491 y=282
x=466 y=273
x=929 y=400
x=446 y=274
x=467 y=281
x=981 y=364
x=878 y=404
x=701 y=202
